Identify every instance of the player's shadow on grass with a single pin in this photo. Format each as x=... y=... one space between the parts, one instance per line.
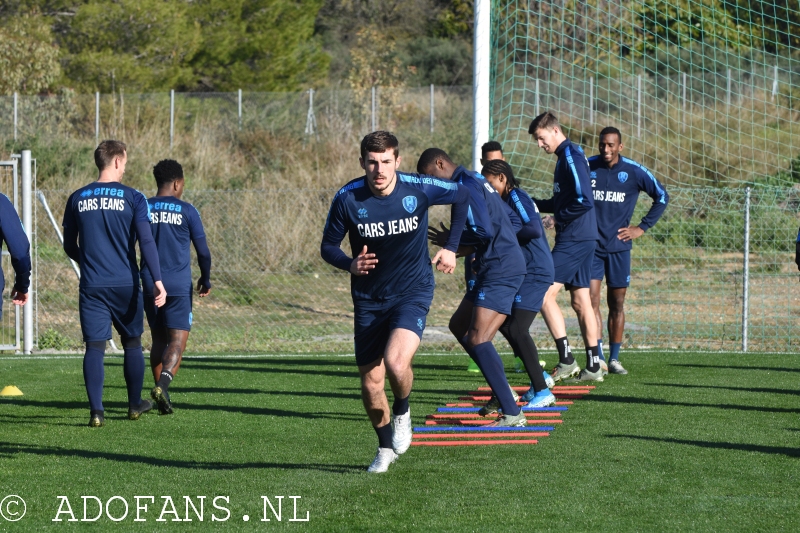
x=267 y=411
x=735 y=389
x=268 y=367
x=653 y=401
x=347 y=362
x=775 y=450
x=9 y=449
x=734 y=367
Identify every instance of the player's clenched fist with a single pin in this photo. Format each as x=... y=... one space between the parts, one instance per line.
x=363 y=263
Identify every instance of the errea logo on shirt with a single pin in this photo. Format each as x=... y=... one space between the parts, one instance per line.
x=87 y=192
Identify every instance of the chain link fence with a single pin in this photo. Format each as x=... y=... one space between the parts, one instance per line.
x=273 y=293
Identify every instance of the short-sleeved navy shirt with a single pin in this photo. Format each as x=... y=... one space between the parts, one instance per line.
x=394 y=227
x=105 y=215
x=176 y=225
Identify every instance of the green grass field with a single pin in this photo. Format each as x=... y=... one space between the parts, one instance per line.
x=686 y=442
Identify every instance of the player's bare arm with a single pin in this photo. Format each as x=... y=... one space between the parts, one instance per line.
x=363 y=263
x=630 y=233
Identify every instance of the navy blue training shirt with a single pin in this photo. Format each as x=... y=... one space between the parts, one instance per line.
x=491 y=227
x=12 y=232
x=616 y=191
x=175 y=225
x=532 y=238
x=394 y=228
x=106 y=219
x=572 y=205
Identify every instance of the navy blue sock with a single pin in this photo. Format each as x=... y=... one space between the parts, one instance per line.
x=133 y=368
x=492 y=367
x=600 y=349
x=384 y=436
x=615 y=346
x=94 y=374
x=400 y=406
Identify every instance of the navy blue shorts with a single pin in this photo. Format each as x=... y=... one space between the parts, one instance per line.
x=99 y=307
x=615 y=266
x=496 y=294
x=572 y=262
x=531 y=294
x=176 y=313
x=373 y=322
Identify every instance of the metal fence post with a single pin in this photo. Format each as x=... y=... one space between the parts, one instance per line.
x=27 y=223
x=746 y=270
x=171 y=116
x=15 y=115
x=431 y=108
x=240 y=109
x=639 y=108
x=97 y=117
x=591 y=99
x=311 y=119
x=374 y=121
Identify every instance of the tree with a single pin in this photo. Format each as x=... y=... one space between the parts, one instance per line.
x=140 y=44
x=28 y=58
x=266 y=45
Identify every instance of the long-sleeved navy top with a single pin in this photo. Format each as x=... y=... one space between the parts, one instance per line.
x=395 y=229
x=17 y=244
x=616 y=190
x=572 y=204
x=102 y=222
x=491 y=228
x=175 y=225
x=531 y=237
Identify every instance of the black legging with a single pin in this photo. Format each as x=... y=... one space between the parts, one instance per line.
x=515 y=330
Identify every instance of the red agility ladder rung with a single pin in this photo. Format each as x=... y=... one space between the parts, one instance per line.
x=485 y=435
x=443 y=416
x=525 y=389
x=471 y=442
x=483 y=422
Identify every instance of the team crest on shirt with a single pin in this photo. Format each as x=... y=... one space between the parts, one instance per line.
x=622 y=177
x=410 y=203
x=362 y=213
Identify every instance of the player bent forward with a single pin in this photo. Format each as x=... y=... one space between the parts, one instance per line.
x=385 y=215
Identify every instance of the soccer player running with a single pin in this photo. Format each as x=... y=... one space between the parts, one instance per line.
x=538 y=278
x=102 y=222
x=500 y=269
x=18 y=246
x=616 y=183
x=576 y=233
x=175 y=225
x=385 y=215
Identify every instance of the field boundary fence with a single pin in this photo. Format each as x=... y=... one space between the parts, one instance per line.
x=273 y=293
